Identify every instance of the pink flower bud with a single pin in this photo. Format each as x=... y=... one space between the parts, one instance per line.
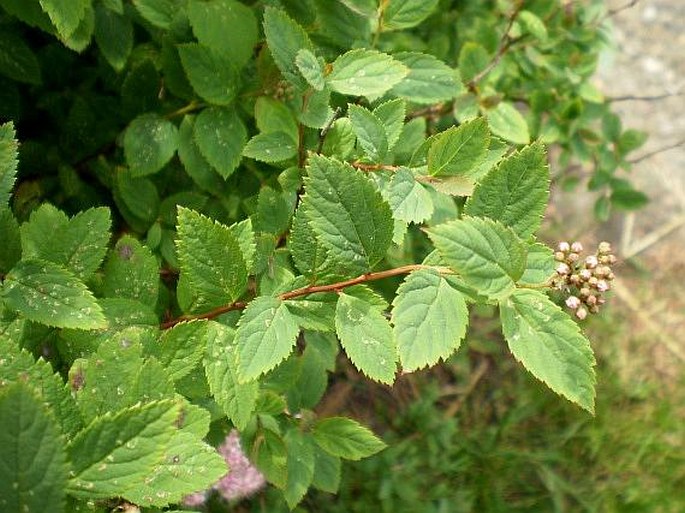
x=581 y=313
x=572 y=302
x=573 y=257
x=585 y=274
x=564 y=246
x=591 y=300
x=563 y=269
x=576 y=247
x=602 y=286
x=591 y=262
x=612 y=259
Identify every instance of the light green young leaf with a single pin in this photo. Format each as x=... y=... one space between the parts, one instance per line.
x=211 y=20
x=212 y=75
x=403 y=14
x=310 y=68
x=508 y=123
x=77 y=244
x=10 y=249
x=81 y=37
x=114 y=36
x=131 y=271
x=364 y=72
x=66 y=15
x=346 y=438
x=367 y=338
x=8 y=162
x=180 y=348
x=149 y=143
x=408 y=199
x=540 y=265
x=300 y=464
x=487 y=255
x=459 y=150
x=118 y=451
x=370 y=132
x=195 y=164
x=160 y=13
x=429 y=80
x=237 y=400
x=33 y=466
x=211 y=257
x=272 y=115
x=187 y=465
x=549 y=345
x=533 y=25
x=429 y=318
x=44 y=292
x=19 y=62
x=515 y=192
x=473 y=58
x=221 y=136
x=391 y=115
x=266 y=336
x=347 y=214
x=285 y=39
x=271 y=147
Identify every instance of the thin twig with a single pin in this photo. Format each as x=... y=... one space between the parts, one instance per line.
x=504 y=45
x=656 y=152
x=629 y=97
x=452 y=410
x=191 y=107
x=373 y=167
x=614 y=12
x=311 y=289
x=326 y=128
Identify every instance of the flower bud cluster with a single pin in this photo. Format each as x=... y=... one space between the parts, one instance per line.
x=586 y=279
x=243 y=478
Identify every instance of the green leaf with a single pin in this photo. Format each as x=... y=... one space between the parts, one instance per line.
x=310 y=68
x=271 y=457
x=180 y=348
x=370 y=132
x=211 y=257
x=137 y=199
x=10 y=249
x=213 y=75
x=540 y=265
x=237 y=400
x=533 y=25
x=131 y=271
x=487 y=255
x=429 y=318
x=160 y=13
x=285 y=39
x=346 y=438
x=18 y=62
x=33 y=466
x=118 y=451
x=508 y=123
x=273 y=211
x=347 y=214
x=326 y=471
x=114 y=36
x=300 y=447
x=550 y=345
x=77 y=244
x=515 y=192
x=624 y=196
x=458 y=150
x=210 y=21
x=266 y=336
x=307 y=253
x=66 y=15
x=367 y=338
x=271 y=147
x=391 y=115
x=80 y=38
x=408 y=199
x=364 y=72
x=221 y=136
x=149 y=143
x=195 y=164
x=8 y=162
x=44 y=292
x=473 y=58
x=272 y=115
x=403 y=14
x=429 y=80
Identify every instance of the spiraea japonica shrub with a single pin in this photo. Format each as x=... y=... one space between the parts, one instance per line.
x=215 y=203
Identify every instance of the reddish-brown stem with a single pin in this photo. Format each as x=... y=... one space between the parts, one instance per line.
x=311 y=289
x=373 y=167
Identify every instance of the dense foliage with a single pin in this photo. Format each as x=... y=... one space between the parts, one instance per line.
x=212 y=198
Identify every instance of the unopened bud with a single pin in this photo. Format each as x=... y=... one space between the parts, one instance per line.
x=564 y=246
x=592 y=281
x=574 y=279
x=594 y=309
x=611 y=276
x=604 y=259
x=581 y=313
x=559 y=256
x=602 y=286
x=563 y=269
x=591 y=262
x=576 y=247
x=601 y=301
x=573 y=257
x=591 y=300
x=612 y=259
x=601 y=271
x=572 y=302
x=585 y=274
x=604 y=248
x=584 y=292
